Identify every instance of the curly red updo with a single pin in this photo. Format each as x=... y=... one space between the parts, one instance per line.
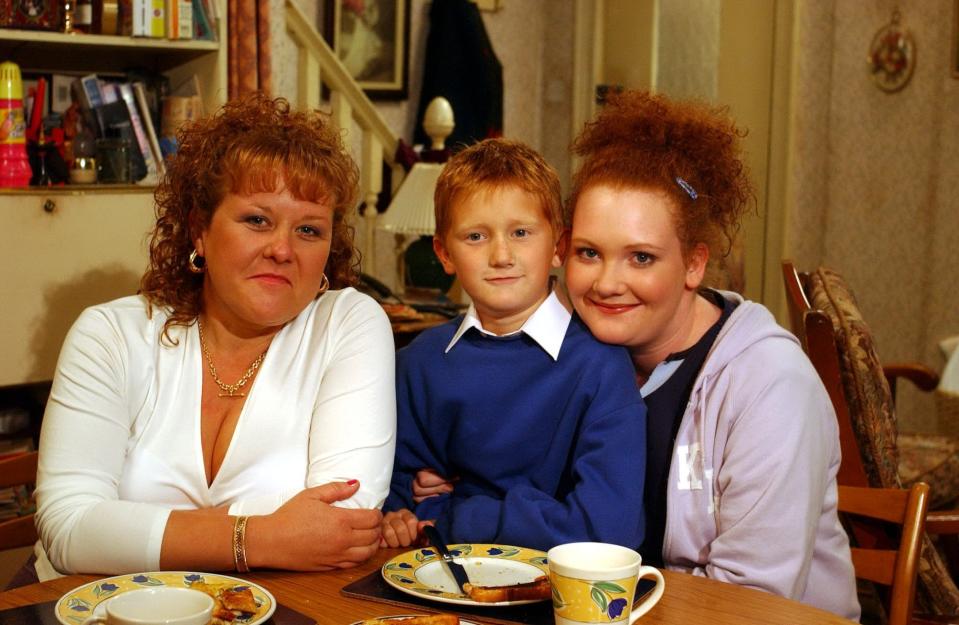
x=251 y=145
x=641 y=140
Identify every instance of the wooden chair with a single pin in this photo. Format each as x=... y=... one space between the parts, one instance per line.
x=893 y=567
x=840 y=346
x=17 y=471
x=825 y=318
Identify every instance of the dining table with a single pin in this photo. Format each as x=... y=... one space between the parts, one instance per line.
x=687 y=600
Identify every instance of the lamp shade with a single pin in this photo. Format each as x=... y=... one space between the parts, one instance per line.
x=411 y=211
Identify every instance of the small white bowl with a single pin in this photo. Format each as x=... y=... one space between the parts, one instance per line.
x=156 y=606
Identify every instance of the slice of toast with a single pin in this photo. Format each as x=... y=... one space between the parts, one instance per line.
x=537 y=589
x=433 y=619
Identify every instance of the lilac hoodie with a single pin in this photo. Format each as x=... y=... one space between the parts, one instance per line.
x=752 y=483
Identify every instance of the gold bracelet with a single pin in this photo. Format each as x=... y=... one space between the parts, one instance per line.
x=239 y=544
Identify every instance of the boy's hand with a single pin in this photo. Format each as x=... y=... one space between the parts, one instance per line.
x=428 y=483
x=402 y=529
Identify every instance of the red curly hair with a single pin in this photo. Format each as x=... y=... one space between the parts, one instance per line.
x=497 y=163
x=250 y=145
x=641 y=140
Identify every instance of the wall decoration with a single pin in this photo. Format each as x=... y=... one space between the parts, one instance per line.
x=892 y=55
x=371 y=37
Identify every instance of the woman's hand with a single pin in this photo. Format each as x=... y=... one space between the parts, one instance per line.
x=402 y=529
x=428 y=483
x=308 y=534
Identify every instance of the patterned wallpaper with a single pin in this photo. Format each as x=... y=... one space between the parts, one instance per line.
x=872 y=177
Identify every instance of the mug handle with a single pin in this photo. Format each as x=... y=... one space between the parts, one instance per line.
x=652 y=598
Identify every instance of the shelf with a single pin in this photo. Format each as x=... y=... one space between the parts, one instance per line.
x=43 y=51
x=79 y=189
x=110 y=41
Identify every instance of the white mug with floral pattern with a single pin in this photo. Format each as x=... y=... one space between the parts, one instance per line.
x=596 y=583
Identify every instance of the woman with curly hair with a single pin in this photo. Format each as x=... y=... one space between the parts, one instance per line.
x=239 y=412
x=742 y=441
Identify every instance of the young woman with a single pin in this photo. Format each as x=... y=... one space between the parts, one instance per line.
x=742 y=440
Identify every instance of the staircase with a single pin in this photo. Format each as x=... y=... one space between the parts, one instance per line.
x=352 y=110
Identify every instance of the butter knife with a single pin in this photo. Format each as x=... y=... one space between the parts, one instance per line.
x=459 y=573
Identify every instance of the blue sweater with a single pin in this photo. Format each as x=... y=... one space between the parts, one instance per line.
x=547 y=451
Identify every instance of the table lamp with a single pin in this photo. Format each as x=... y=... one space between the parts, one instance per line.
x=411 y=210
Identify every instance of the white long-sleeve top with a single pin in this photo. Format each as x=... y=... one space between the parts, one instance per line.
x=120 y=444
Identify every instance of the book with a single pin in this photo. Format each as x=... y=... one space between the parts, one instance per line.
x=211 y=12
x=185 y=23
x=82 y=99
x=179 y=19
x=91 y=87
x=157 y=19
x=149 y=18
x=138 y=12
x=125 y=91
x=203 y=26
x=141 y=98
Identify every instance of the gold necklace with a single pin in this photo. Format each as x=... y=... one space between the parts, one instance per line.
x=229 y=390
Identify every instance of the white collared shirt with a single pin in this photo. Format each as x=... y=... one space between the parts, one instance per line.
x=547 y=325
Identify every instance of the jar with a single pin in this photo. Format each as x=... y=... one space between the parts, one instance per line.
x=113 y=161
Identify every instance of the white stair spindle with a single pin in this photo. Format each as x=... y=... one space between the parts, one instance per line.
x=371 y=183
x=308 y=80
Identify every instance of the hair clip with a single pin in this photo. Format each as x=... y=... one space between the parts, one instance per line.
x=688 y=188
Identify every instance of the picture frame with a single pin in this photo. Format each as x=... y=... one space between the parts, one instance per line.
x=372 y=38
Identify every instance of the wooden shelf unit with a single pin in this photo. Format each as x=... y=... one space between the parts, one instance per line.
x=66 y=248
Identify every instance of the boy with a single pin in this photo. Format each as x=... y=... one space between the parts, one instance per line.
x=541 y=426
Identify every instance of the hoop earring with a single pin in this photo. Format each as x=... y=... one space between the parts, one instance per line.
x=324 y=285
x=196 y=264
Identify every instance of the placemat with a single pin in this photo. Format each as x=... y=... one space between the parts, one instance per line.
x=42 y=614
x=374 y=588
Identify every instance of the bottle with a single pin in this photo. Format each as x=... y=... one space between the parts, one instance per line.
x=41 y=177
x=14 y=166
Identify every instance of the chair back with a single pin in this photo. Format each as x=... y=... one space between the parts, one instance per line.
x=895 y=567
x=18 y=470
x=815 y=332
x=837 y=340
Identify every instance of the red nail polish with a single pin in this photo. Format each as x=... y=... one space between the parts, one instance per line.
x=351 y=482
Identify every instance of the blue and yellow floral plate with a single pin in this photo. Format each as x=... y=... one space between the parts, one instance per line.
x=80 y=603
x=421 y=572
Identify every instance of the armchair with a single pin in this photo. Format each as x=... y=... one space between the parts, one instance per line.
x=826 y=318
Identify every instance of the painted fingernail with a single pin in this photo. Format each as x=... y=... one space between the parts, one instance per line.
x=351 y=482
